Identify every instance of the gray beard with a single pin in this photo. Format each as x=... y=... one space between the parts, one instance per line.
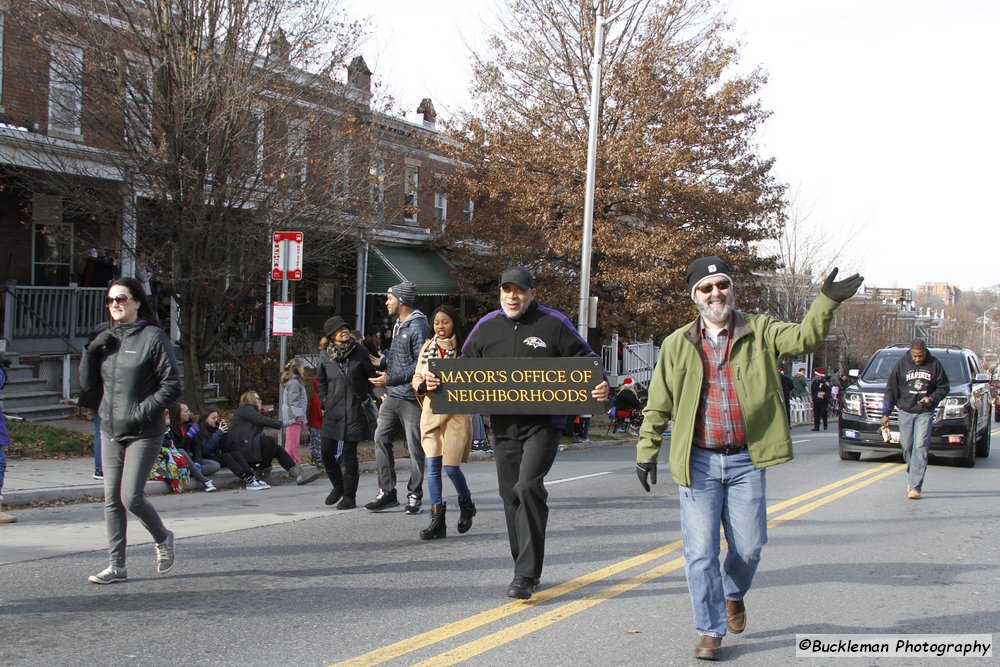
x=717 y=313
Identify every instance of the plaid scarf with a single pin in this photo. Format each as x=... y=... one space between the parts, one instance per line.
x=441 y=349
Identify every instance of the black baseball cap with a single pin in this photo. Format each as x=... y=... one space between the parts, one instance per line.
x=518 y=275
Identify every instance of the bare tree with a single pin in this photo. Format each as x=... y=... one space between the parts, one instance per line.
x=224 y=120
x=678 y=174
x=805 y=251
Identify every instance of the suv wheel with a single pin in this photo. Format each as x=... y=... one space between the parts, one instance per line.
x=983 y=444
x=969 y=460
x=849 y=456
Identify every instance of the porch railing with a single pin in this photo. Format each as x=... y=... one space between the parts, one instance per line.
x=635 y=360
x=67 y=313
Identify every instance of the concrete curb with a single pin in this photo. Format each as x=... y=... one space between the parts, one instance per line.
x=224 y=479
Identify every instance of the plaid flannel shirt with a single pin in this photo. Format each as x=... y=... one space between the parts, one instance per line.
x=719 y=422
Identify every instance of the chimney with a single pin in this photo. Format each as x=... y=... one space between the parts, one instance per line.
x=427 y=109
x=359 y=76
x=279 y=49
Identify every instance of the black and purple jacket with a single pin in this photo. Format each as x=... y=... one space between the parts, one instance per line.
x=541 y=332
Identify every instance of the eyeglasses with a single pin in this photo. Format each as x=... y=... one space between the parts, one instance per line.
x=118 y=298
x=723 y=285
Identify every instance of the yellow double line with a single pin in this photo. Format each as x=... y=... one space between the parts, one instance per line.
x=822 y=496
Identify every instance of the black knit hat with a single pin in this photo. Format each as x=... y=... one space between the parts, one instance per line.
x=333 y=324
x=705 y=267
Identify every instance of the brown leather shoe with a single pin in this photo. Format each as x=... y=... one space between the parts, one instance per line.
x=708 y=647
x=736 y=616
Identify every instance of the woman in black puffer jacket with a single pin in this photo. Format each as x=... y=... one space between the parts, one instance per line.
x=132 y=366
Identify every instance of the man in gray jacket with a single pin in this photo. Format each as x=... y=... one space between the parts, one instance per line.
x=400 y=410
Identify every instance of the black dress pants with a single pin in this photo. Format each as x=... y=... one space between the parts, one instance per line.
x=521 y=469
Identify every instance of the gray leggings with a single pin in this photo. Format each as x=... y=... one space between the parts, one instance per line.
x=126 y=469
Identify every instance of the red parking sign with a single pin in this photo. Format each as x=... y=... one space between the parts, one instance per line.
x=294 y=244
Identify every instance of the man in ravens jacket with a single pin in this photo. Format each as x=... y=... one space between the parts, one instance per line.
x=525 y=446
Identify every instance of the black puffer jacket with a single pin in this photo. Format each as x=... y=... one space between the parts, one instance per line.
x=341 y=394
x=139 y=378
x=246 y=428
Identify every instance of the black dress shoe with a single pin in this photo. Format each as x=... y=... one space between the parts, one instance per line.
x=521 y=588
x=814 y=429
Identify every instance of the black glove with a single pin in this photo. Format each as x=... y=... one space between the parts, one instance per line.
x=646 y=471
x=104 y=342
x=842 y=290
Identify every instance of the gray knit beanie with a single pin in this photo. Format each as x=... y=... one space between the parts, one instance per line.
x=405 y=291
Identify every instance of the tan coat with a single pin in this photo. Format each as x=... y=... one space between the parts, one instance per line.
x=448 y=436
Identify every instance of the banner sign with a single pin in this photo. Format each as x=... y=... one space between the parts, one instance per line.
x=517 y=386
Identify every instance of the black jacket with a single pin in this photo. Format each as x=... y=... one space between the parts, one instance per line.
x=908 y=383
x=343 y=386
x=820 y=385
x=246 y=428
x=541 y=332
x=139 y=379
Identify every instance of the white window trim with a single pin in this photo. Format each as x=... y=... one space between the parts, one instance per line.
x=411 y=176
x=76 y=87
x=39 y=203
x=376 y=183
x=440 y=208
x=298 y=138
x=144 y=109
x=469 y=211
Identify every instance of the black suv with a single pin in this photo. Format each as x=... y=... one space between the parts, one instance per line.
x=961 y=427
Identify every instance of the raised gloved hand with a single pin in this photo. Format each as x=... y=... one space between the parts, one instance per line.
x=646 y=471
x=841 y=290
x=104 y=342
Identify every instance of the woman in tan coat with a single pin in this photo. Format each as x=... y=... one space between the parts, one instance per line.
x=446 y=439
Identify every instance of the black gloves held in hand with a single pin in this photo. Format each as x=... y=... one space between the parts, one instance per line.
x=104 y=342
x=841 y=290
x=646 y=471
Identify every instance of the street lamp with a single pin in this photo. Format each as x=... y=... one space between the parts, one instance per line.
x=588 y=202
x=985 y=313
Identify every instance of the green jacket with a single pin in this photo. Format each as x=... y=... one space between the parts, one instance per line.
x=758 y=340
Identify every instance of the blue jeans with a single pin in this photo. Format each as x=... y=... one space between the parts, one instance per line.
x=435 y=490
x=3 y=463
x=915 y=439
x=726 y=491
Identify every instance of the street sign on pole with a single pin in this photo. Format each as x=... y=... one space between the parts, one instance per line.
x=282 y=319
x=290 y=243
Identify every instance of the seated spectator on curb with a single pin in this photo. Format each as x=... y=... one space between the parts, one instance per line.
x=211 y=434
x=4 y=442
x=174 y=438
x=247 y=433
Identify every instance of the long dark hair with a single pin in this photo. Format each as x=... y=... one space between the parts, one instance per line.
x=137 y=292
x=456 y=320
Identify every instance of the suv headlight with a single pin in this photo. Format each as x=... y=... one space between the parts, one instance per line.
x=955 y=407
x=851 y=403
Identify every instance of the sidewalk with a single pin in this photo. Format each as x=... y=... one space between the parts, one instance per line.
x=71 y=480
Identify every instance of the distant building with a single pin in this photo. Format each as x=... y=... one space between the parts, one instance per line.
x=890 y=294
x=947 y=292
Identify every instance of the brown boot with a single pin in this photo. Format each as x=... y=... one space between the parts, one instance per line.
x=736 y=616
x=708 y=647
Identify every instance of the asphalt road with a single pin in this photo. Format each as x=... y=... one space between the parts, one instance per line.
x=276 y=578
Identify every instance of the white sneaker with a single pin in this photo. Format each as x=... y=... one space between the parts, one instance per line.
x=165 y=554
x=209 y=486
x=257 y=485
x=109 y=575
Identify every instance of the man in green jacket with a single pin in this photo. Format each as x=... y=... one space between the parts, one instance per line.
x=717 y=378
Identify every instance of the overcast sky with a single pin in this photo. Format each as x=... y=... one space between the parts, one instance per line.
x=885 y=115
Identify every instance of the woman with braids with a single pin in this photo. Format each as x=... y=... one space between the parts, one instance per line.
x=132 y=364
x=446 y=439
x=343 y=374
